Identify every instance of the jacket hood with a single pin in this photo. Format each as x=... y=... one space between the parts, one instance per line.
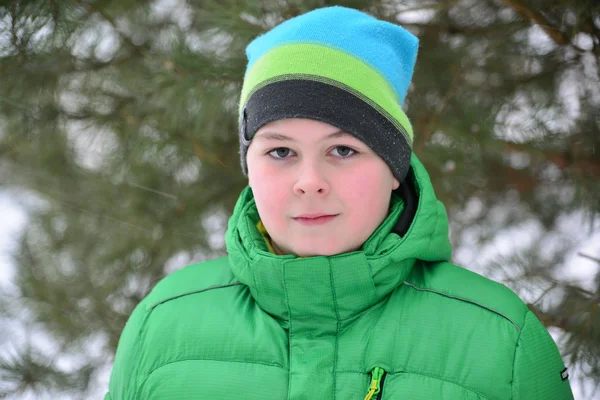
x=342 y=285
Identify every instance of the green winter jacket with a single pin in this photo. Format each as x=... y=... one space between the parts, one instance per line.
x=395 y=320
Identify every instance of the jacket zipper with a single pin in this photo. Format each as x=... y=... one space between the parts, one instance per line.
x=376 y=388
x=381 y=385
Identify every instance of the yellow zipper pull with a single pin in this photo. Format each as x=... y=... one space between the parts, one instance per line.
x=372 y=390
x=376 y=375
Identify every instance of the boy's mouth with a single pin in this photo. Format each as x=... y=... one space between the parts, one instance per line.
x=315 y=219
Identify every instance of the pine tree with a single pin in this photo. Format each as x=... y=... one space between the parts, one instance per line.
x=118 y=134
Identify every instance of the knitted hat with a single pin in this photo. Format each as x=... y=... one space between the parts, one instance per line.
x=336 y=65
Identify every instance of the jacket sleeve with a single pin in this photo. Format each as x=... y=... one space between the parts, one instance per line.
x=124 y=376
x=538 y=370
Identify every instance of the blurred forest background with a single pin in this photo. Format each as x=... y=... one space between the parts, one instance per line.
x=118 y=137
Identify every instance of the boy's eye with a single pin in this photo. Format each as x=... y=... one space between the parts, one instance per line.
x=343 y=151
x=280 y=152
x=338 y=151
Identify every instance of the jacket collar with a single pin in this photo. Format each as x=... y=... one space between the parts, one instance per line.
x=340 y=286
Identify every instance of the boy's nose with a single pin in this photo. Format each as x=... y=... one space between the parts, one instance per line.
x=311 y=181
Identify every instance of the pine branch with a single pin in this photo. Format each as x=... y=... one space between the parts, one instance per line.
x=13 y=24
x=571 y=323
x=467 y=30
x=29 y=370
x=427 y=7
x=589 y=257
x=562 y=160
x=142 y=49
x=433 y=120
x=536 y=17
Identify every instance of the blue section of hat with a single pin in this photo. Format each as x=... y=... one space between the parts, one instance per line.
x=387 y=47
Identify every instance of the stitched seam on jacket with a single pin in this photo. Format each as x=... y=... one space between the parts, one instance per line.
x=443 y=380
x=466 y=301
x=421 y=374
x=287 y=302
x=140 y=342
x=337 y=328
x=148 y=309
x=207 y=359
x=435 y=228
x=512 y=382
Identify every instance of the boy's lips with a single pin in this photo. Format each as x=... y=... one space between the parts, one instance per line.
x=315 y=215
x=314 y=218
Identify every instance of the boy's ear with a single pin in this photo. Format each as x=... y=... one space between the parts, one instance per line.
x=396 y=184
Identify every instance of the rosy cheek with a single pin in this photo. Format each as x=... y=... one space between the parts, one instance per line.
x=362 y=184
x=269 y=191
x=269 y=176
x=365 y=194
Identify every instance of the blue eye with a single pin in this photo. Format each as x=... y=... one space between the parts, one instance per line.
x=280 y=152
x=344 y=151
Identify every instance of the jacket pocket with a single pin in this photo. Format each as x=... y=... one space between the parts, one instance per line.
x=375 y=390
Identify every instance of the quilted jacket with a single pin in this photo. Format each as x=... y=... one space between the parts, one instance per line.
x=394 y=320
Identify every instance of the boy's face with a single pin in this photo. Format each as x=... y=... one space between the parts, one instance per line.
x=304 y=168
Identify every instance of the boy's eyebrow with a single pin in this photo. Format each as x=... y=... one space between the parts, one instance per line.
x=283 y=138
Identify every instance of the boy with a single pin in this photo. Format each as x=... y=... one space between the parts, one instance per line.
x=338 y=283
